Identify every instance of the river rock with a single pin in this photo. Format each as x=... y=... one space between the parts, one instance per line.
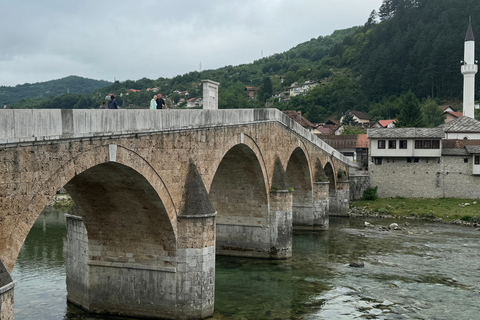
x=357 y=264
x=393 y=226
x=368 y=224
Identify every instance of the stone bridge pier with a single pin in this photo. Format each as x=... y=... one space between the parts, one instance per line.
x=157 y=195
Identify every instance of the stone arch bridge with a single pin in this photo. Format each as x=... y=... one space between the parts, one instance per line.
x=157 y=194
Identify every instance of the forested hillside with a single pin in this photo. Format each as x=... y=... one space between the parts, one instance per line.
x=52 y=88
x=406 y=46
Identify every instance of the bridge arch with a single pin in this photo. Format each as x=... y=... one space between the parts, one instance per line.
x=299 y=178
x=330 y=173
x=238 y=187
x=46 y=189
x=124 y=217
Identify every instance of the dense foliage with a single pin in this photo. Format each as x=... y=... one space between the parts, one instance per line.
x=404 y=61
x=50 y=89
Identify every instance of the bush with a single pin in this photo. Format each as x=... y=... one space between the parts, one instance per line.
x=370 y=193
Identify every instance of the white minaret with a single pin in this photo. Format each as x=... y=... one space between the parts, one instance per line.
x=469 y=69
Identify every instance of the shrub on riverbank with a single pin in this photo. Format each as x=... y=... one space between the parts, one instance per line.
x=448 y=209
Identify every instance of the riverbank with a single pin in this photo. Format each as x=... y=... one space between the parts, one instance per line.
x=61 y=200
x=449 y=210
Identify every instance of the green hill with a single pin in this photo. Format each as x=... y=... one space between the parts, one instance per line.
x=52 y=88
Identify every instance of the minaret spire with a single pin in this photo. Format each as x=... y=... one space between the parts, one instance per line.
x=469 y=69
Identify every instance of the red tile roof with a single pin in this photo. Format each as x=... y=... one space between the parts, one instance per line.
x=362 y=141
x=385 y=123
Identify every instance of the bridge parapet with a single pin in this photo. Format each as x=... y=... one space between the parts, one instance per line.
x=27 y=126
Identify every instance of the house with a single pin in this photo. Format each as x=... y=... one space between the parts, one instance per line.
x=358 y=116
x=384 y=124
x=252 y=92
x=304 y=122
x=194 y=103
x=462 y=128
x=325 y=129
x=354 y=147
x=452 y=115
x=446 y=108
x=426 y=162
x=296 y=90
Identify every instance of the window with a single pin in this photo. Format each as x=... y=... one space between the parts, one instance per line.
x=381 y=144
x=465 y=160
x=409 y=160
x=392 y=144
x=416 y=159
x=477 y=160
x=427 y=144
x=403 y=144
x=378 y=160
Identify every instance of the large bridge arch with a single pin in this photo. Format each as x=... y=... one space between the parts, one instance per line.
x=46 y=189
x=299 y=178
x=239 y=182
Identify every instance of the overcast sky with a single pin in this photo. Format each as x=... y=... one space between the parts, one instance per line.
x=42 y=40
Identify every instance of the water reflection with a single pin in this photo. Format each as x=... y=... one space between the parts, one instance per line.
x=425 y=271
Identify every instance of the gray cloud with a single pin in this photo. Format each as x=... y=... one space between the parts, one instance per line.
x=124 y=39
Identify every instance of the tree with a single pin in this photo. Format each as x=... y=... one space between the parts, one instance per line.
x=410 y=113
x=348 y=119
x=433 y=115
x=266 y=90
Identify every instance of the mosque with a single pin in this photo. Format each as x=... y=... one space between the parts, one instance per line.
x=441 y=162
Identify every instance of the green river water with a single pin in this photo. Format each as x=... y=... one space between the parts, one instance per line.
x=424 y=271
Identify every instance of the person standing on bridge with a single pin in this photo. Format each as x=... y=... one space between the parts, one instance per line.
x=160 y=102
x=153 y=103
x=112 y=104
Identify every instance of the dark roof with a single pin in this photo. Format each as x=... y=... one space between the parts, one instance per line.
x=292 y=114
x=469 y=35
x=454 y=152
x=332 y=121
x=473 y=149
x=360 y=115
x=340 y=142
x=463 y=124
x=407 y=133
x=456 y=114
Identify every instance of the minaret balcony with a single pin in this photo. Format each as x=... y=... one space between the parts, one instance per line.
x=469 y=68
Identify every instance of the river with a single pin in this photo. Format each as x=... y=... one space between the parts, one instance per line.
x=424 y=271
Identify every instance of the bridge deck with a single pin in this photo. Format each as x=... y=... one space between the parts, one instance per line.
x=27 y=126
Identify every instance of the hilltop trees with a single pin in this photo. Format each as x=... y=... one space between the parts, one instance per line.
x=410 y=113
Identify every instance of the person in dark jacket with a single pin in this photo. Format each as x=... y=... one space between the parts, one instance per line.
x=160 y=102
x=112 y=104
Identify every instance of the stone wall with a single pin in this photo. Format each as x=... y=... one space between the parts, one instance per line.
x=445 y=177
x=6 y=294
x=6 y=304
x=457 y=180
x=76 y=261
x=359 y=182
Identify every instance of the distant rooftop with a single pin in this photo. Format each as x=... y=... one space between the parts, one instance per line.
x=407 y=133
x=463 y=124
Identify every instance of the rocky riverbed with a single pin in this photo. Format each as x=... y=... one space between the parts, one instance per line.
x=367 y=213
